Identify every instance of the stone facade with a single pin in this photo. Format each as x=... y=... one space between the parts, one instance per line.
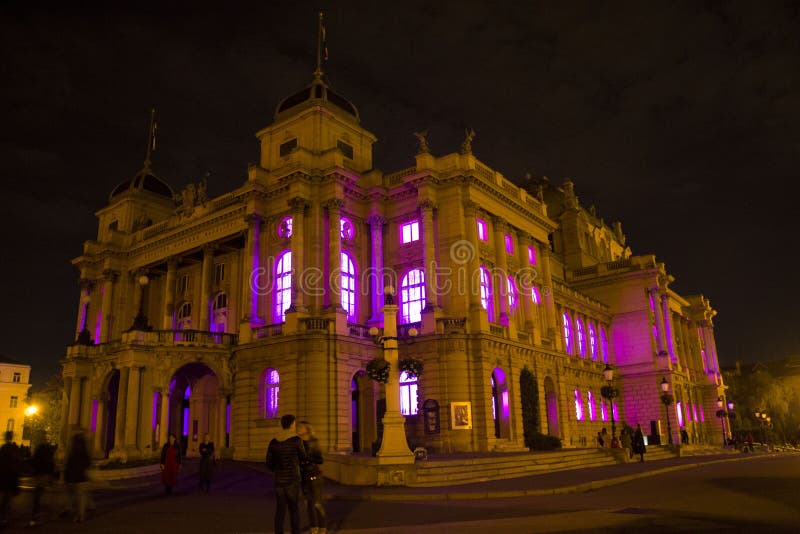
x=190 y=321
x=14 y=385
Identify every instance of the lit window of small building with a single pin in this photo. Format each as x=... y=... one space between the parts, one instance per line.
x=578 y=405
x=590 y=405
x=272 y=389
x=512 y=294
x=567 y=323
x=14 y=400
x=592 y=341
x=412 y=296
x=283 y=286
x=408 y=394
x=348 y=289
x=409 y=232
x=486 y=292
x=531 y=255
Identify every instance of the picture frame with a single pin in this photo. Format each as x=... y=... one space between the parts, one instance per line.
x=461 y=415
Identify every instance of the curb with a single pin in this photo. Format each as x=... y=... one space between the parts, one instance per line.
x=506 y=494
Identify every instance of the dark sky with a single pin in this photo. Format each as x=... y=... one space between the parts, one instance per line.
x=679 y=119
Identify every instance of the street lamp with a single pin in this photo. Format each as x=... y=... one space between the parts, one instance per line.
x=610 y=392
x=721 y=413
x=140 y=321
x=666 y=398
x=731 y=417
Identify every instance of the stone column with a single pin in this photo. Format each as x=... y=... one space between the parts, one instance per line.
x=83 y=306
x=662 y=338
x=163 y=422
x=426 y=208
x=219 y=438
x=376 y=223
x=122 y=403
x=133 y=409
x=525 y=279
x=668 y=327
x=105 y=325
x=169 y=295
x=65 y=410
x=206 y=273
x=98 y=440
x=138 y=291
x=75 y=402
x=501 y=263
x=467 y=257
x=298 y=205
x=547 y=298
x=252 y=276
x=333 y=285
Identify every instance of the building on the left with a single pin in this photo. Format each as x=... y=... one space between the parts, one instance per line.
x=15 y=381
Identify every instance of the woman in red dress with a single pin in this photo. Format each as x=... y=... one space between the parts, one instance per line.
x=170 y=463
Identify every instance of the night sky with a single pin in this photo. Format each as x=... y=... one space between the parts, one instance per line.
x=680 y=120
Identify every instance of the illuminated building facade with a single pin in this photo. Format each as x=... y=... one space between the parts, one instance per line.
x=14 y=385
x=221 y=314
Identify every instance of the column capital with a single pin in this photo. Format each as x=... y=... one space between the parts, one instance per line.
x=470 y=208
x=500 y=224
x=376 y=221
x=173 y=261
x=254 y=219
x=110 y=275
x=209 y=248
x=298 y=204
x=426 y=205
x=333 y=204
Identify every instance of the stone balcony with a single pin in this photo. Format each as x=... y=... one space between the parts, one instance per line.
x=168 y=338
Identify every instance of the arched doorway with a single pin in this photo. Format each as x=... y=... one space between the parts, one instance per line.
x=365 y=413
x=195 y=407
x=551 y=404
x=112 y=398
x=500 y=405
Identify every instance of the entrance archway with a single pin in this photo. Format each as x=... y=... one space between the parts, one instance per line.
x=500 y=405
x=195 y=407
x=551 y=404
x=112 y=399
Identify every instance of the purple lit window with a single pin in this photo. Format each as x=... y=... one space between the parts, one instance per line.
x=531 y=255
x=219 y=312
x=348 y=288
x=592 y=342
x=412 y=296
x=483 y=235
x=486 y=292
x=603 y=411
x=185 y=316
x=604 y=344
x=93 y=424
x=271 y=389
x=579 y=332
x=694 y=411
x=283 y=286
x=705 y=360
x=408 y=394
x=346 y=228
x=614 y=411
x=565 y=318
x=679 y=412
x=409 y=232
x=590 y=405
x=187 y=393
x=509 y=244
x=535 y=296
x=578 y=405
x=512 y=294
x=228 y=418
x=156 y=402
x=702 y=415
x=285 y=228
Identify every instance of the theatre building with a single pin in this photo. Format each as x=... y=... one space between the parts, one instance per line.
x=218 y=315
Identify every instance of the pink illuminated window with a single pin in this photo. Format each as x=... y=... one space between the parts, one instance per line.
x=512 y=294
x=592 y=342
x=603 y=411
x=348 y=288
x=581 y=335
x=346 y=228
x=412 y=296
x=565 y=318
x=604 y=344
x=219 y=313
x=283 y=286
x=285 y=228
x=409 y=232
x=702 y=415
x=705 y=360
x=486 y=292
x=694 y=411
x=272 y=381
x=578 y=405
x=531 y=255
x=679 y=412
x=535 y=295
x=614 y=411
x=185 y=316
x=509 y=244
x=408 y=395
x=187 y=393
x=590 y=405
x=483 y=234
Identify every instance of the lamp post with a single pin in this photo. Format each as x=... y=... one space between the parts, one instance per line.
x=721 y=413
x=731 y=417
x=666 y=398
x=394 y=446
x=610 y=392
x=140 y=321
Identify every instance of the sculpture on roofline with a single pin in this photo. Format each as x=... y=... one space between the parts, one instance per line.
x=422 y=139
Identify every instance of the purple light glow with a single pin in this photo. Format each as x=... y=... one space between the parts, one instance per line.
x=228 y=418
x=93 y=423
x=567 y=321
x=604 y=344
x=346 y=228
x=578 y=405
x=505 y=404
x=97 y=325
x=590 y=404
x=283 y=287
x=509 y=244
x=535 y=296
x=614 y=410
x=603 y=412
x=531 y=255
x=285 y=228
x=581 y=337
x=694 y=411
x=486 y=292
x=186 y=421
x=348 y=286
x=512 y=294
x=156 y=400
x=592 y=342
x=702 y=415
x=271 y=393
x=483 y=235
x=412 y=296
x=679 y=412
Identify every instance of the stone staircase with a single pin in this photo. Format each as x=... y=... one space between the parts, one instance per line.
x=453 y=471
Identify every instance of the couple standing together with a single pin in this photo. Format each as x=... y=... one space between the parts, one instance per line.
x=294 y=458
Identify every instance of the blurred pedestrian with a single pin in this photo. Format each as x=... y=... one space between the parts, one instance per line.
x=207 y=463
x=625 y=437
x=170 y=463
x=638 y=443
x=43 y=468
x=76 y=476
x=312 y=479
x=10 y=467
x=284 y=456
x=684 y=436
x=600 y=441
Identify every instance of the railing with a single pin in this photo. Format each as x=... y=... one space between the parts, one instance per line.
x=270 y=330
x=497 y=330
x=179 y=337
x=316 y=324
x=77 y=351
x=452 y=325
x=484 y=172
x=592 y=269
x=358 y=330
x=525 y=337
x=402 y=329
x=619 y=264
x=154 y=229
x=224 y=201
x=397 y=177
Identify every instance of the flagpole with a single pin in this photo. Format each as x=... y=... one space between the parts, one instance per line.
x=150 y=139
x=318 y=72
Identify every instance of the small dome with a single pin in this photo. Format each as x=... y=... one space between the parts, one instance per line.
x=144 y=181
x=315 y=93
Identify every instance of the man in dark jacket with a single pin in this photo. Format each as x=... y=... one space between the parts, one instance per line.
x=284 y=456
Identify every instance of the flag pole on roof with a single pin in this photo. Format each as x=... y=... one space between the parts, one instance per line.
x=151 y=139
x=322 y=45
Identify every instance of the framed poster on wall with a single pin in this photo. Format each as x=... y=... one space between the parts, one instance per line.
x=461 y=415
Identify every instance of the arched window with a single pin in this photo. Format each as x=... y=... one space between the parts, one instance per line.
x=348 y=288
x=604 y=344
x=408 y=394
x=579 y=333
x=590 y=405
x=486 y=292
x=219 y=312
x=185 y=316
x=603 y=411
x=285 y=228
x=565 y=318
x=592 y=341
x=271 y=388
x=10 y=425
x=412 y=296
x=346 y=228
x=578 y=405
x=679 y=412
x=535 y=295
x=283 y=286
x=512 y=295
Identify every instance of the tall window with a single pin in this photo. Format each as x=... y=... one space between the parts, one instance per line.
x=16 y=378
x=679 y=412
x=603 y=411
x=185 y=316
x=408 y=394
x=412 y=296
x=512 y=294
x=348 y=288
x=565 y=318
x=592 y=341
x=283 y=286
x=346 y=228
x=483 y=234
x=219 y=312
x=409 y=232
x=285 y=228
x=579 y=333
x=183 y=284
x=590 y=405
x=509 y=244
x=535 y=295
x=219 y=273
x=604 y=344
x=486 y=292
x=531 y=255
x=14 y=401
x=272 y=381
x=578 y=405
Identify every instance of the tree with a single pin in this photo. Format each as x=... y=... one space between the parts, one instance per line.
x=529 y=398
x=46 y=423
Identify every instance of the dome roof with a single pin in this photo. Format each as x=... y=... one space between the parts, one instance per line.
x=144 y=181
x=318 y=91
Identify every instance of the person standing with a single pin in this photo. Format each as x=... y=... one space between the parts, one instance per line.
x=170 y=463
x=625 y=437
x=638 y=443
x=312 y=479
x=284 y=456
x=9 y=474
x=207 y=463
x=75 y=476
x=43 y=466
